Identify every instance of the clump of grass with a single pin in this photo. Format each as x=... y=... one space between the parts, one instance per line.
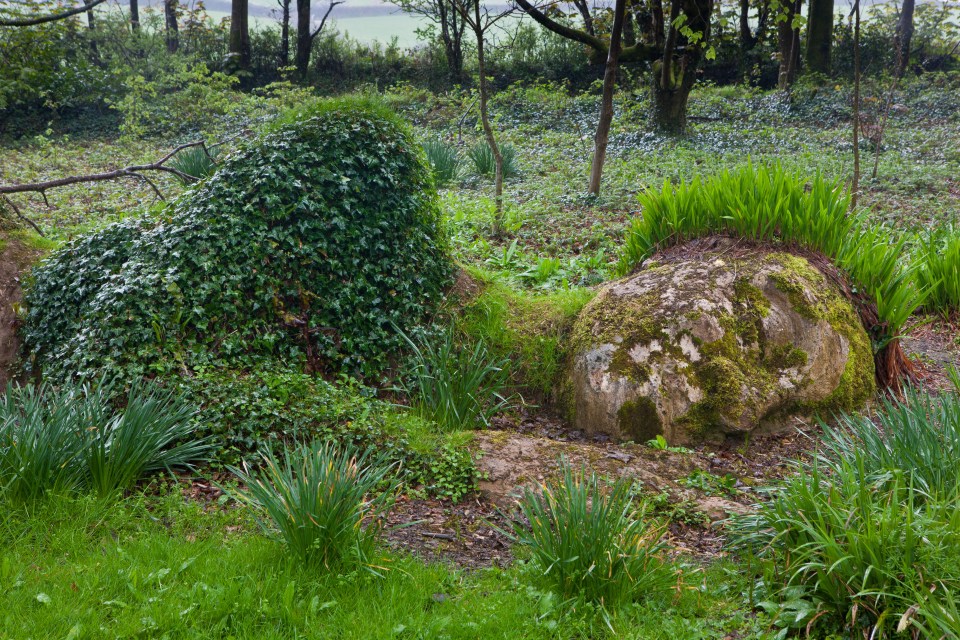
x=937 y=260
x=917 y=434
x=457 y=386
x=196 y=162
x=70 y=438
x=768 y=204
x=485 y=164
x=864 y=532
x=591 y=542
x=444 y=160
x=327 y=503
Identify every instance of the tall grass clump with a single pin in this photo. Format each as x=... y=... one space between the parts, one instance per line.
x=865 y=536
x=196 y=162
x=592 y=542
x=917 y=434
x=71 y=438
x=485 y=164
x=444 y=161
x=327 y=503
x=768 y=204
x=937 y=260
x=457 y=386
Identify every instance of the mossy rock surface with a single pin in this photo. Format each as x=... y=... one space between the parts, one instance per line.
x=729 y=342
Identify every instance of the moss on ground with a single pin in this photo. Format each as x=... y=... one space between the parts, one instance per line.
x=532 y=330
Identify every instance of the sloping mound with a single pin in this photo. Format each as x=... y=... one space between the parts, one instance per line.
x=309 y=245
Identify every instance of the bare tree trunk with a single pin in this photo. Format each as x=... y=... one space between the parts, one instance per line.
x=747 y=41
x=91 y=26
x=856 y=105
x=904 y=36
x=789 y=45
x=606 y=101
x=284 y=32
x=240 y=35
x=674 y=75
x=819 y=36
x=173 y=31
x=304 y=41
x=485 y=121
x=135 y=15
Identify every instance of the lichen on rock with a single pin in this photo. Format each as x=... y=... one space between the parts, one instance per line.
x=727 y=343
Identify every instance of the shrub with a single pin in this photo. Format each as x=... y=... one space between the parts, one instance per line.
x=309 y=244
x=69 y=438
x=272 y=409
x=444 y=160
x=196 y=162
x=769 y=204
x=327 y=503
x=484 y=163
x=455 y=386
x=591 y=544
x=937 y=261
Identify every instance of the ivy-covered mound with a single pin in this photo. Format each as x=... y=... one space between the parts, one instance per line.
x=309 y=244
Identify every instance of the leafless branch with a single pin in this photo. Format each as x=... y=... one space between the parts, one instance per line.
x=20 y=215
x=133 y=171
x=324 y=20
x=53 y=17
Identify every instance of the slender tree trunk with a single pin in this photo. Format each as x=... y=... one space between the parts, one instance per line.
x=240 y=35
x=135 y=15
x=285 y=33
x=606 y=101
x=92 y=28
x=819 y=36
x=304 y=41
x=789 y=44
x=451 y=32
x=904 y=36
x=657 y=26
x=485 y=120
x=173 y=31
x=747 y=40
x=856 y=104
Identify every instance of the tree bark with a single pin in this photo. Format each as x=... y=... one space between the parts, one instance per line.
x=904 y=36
x=135 y=15
x=485 y=120
x=789 y=43
x=451 y=32
x=173 y=32
x=53 y=17
x=92 y=28
x=747 y=40
x=285 y=32
x=674 y=75
x=304 y=41
x=819 y=36
x=606 y=100
x=855 y=189
x=240 y=35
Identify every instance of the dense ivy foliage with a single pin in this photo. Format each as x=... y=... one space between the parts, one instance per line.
x=310 y=244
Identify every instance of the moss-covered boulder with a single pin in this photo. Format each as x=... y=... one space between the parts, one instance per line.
x=728 y=342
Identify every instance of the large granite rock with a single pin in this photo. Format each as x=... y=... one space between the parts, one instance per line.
x=728 y=342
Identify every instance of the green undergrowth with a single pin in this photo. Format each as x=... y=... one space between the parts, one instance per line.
x=155 y=566
x=529 y=329
x=265 y=410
